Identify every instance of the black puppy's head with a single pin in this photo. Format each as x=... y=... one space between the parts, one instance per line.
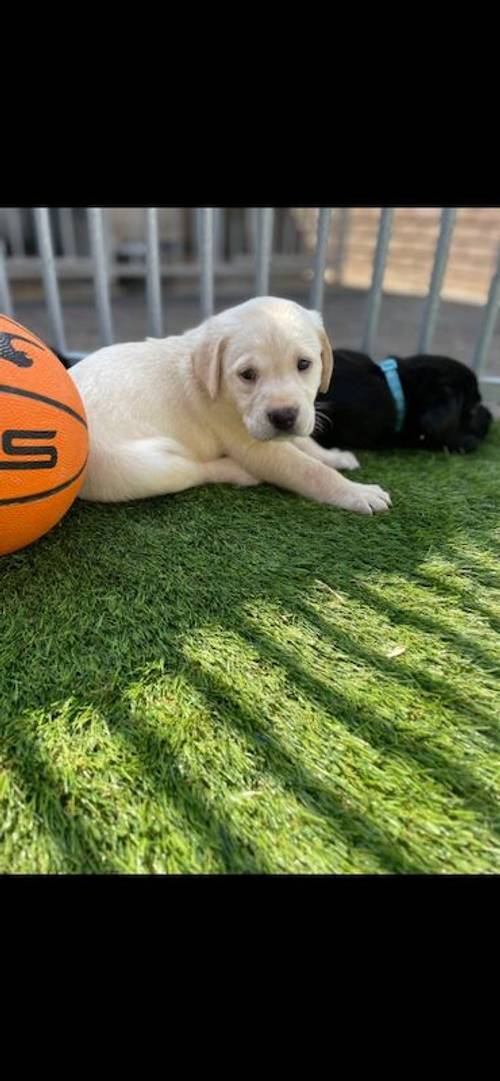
x=445 y=408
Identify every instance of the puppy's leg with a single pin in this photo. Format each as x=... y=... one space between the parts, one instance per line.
x=149 y=467
x=288 y=467
x=337 y=459
x=226 y=471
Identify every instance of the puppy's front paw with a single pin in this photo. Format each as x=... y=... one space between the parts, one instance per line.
x=342 y=459
x=365 y=498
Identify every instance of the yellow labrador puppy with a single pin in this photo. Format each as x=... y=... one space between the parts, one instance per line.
x=231 y=401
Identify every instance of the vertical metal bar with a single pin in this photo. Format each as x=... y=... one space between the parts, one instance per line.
x=206 y=241
x=15 y=230
x=280 y=214
x=44 y=240
x=448 y=216
x=67 y=227
x=322 y=235
x=195 y=233
x=288 y=232
x=108 y=238
x=220 y=219
x=231 y=245
x=375 y=297
x=236 y=232
x=250 y=229
x=153 y=278
x=264 y=242
x=341 y=233
x=6 y=305
x=101 y=282
x=485 y=335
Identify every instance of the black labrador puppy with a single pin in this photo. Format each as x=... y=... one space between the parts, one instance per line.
x=420 y=401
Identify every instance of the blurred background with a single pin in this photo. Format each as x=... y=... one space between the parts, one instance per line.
x=347 y=273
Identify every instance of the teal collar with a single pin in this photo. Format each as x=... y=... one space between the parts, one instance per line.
x=390 y=370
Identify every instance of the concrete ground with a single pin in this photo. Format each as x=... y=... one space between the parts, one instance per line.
x=400 y=317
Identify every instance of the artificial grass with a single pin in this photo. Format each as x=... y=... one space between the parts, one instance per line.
x=216 y=682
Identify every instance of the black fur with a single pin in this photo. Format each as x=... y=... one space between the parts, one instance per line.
x=443 y=405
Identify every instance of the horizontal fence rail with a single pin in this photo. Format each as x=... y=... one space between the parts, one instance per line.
x=56 y=245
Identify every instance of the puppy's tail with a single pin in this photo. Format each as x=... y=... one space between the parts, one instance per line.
x=135 y=470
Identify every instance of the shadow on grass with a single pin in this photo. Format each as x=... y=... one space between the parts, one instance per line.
x=45 y=792
x=378 y=732
x=276 y=761
x=406 y=674
x=125 y=584
x=460 y=595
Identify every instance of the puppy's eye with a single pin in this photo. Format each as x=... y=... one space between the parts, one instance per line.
x=248 y=374
x=303 y=364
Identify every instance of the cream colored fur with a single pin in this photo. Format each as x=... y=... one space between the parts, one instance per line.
x=169 y=414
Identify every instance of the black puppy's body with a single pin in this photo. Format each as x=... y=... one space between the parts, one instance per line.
x=442 y=405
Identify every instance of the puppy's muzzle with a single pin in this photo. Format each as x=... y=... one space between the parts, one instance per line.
x=283 y=419
x=480 y=420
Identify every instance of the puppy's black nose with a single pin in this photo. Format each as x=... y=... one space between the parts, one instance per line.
x=283 y=419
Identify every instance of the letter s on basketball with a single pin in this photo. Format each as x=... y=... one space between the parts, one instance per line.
x=43 y=438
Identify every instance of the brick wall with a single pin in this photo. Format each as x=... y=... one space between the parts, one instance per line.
x=473 y=249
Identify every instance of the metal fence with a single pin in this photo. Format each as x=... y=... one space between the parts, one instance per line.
x=74 y=243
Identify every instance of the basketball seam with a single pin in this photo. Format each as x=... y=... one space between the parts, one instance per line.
x=5 y=389
x=43 y=495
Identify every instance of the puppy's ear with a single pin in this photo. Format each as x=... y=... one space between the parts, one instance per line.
x=327 y=362
x=207 y=363
x=326 y=351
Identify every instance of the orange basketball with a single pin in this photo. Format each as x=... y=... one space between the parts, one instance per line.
x=43 y=437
